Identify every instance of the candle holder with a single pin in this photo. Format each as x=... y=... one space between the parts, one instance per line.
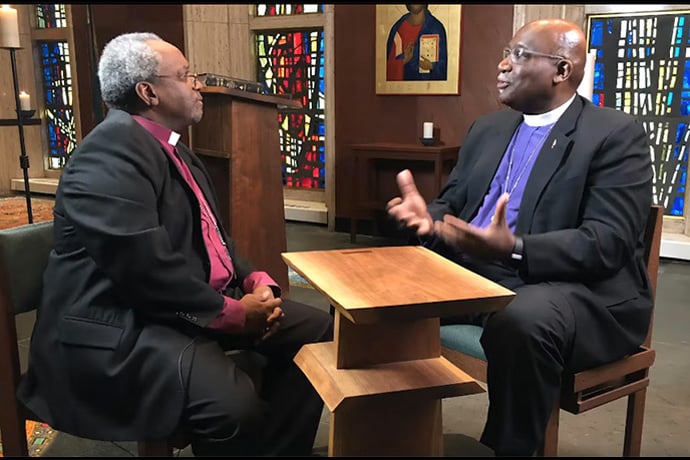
x=428 y=141
x=23 y=157
x=27 y=113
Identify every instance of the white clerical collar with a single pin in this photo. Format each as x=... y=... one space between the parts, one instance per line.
x=548 y=118
x=174 y=137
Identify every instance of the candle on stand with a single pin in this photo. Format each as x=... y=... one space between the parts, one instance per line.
x=9 y=27
x=428 y=130
x=24 y=101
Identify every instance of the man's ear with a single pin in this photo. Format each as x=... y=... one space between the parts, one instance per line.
x=564 y=69
x=146 y=93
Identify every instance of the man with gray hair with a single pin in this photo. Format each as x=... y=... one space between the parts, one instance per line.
x=145 y=292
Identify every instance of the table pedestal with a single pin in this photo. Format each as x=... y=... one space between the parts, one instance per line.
x=383 y=384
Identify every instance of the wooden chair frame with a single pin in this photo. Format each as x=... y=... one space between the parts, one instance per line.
x=592 y=388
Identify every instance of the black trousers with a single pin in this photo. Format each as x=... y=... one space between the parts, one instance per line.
x=226 y=415
x=528 y=345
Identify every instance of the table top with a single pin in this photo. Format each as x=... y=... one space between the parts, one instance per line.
x=404 y=282
x=392 y=148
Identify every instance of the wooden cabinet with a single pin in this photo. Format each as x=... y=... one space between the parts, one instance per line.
x=369 y=157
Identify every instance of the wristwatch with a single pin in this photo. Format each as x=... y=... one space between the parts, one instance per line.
x=516 y=254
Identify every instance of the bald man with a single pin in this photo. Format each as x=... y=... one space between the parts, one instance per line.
x=548 y=198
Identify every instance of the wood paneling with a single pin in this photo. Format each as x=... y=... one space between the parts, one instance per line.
x=364 y=117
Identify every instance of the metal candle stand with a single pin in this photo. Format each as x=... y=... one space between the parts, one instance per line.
x=21 y=115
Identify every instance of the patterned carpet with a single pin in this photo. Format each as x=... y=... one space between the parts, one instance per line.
x=296 y=279
x=13 y=210
x=39 y=436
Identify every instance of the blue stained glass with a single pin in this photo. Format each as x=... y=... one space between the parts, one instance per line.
x=50 y=16
x=57 y=93
x=596 y=34
x=677 y=206
x=679 y=134
x=598 y=75
x=666 y=80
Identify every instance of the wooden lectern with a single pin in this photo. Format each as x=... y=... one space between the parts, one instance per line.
x=238 y=142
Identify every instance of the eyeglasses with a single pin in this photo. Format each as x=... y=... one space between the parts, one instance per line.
x=193 y=77
x=520 y=54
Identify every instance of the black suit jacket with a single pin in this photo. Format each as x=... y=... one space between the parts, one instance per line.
x=125 y=290
x=582 y=215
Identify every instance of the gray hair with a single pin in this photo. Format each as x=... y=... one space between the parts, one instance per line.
x=126 y=60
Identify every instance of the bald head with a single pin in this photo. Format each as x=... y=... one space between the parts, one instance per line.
x=543 y=66
x=563 y=38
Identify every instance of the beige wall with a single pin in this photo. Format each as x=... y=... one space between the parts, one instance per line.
x=522 y=14
x=217 y=39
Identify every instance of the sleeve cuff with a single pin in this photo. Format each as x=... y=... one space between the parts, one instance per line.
x=232 y=319
x=257 y=278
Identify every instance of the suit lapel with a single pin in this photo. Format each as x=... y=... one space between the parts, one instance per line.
x=551 y=156
x=200 y=175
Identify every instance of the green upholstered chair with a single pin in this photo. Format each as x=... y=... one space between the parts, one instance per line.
x=24 y=254
x=588 y=389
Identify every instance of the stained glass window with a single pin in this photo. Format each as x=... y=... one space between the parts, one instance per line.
x=287 y=9
x=51 y=16
x=643 y=68
x=57 y=92
x=293 y=63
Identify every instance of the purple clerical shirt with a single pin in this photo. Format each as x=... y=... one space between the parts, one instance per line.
x=232 y=317
x=512 y=173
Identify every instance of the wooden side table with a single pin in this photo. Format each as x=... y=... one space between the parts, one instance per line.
x=368 y=155
x=383 y=377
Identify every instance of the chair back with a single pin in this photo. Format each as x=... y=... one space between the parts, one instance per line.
x=24 y=254
x=652 y=247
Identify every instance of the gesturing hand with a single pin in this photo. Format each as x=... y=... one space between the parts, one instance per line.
x=493 y=242
x=410 y=210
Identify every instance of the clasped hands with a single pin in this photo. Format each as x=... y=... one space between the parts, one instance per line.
x=263 y=312
x=495 y=242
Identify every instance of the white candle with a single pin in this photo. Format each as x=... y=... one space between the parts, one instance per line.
x=9 y=27
x=428 y=130
x=24 y=101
